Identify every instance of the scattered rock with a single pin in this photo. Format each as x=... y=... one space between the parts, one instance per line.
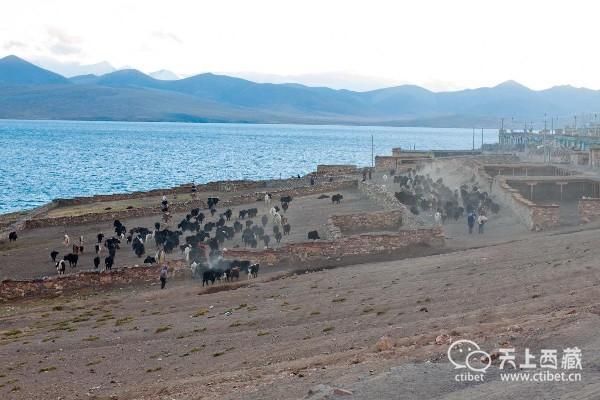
x=515 y=328
x=443 y=339
x=423 y=309
x=342 y=392
x=384 y=343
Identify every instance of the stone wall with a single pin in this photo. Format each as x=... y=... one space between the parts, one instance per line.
x=388 y=201
x=245 y=198
x=329 y=169
x=589 y=209
x=400 y=160
x=535 y=217
x=367 y=222
x=300 y=191
x=21 y=222
x=545 y=216
x=111 y=216
x=57 y=285
x=363 y=245
x=387 y=163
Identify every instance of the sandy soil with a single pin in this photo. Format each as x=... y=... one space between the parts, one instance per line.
x=301 y=336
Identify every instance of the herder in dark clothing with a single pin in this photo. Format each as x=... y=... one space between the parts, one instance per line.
x=163 y=276
x=471 y=221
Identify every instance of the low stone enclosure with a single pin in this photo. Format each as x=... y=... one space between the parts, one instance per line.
x=362 y=247
x=347 y=224
x=402 y=160
x=392 y=233
x=543 y=196
x=362 y=237
x=526 y=169
x=243 y=198
x=326 y=178
x=57 y=285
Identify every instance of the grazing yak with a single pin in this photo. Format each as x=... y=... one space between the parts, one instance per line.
x=53 y=255
x=109 y=262
x=209 y=275
x=278 y=236
x=96 y=262
x=12 y=237
x=237 y=226
x=336 y=198
x=72 y=259
x=313 y=235
x=119 y=228
x=253 y=270
x=60 y=267
x=138 y=247
x=231 y=273
x=286 y=229
x=150 y=260
x=212 y=201
x=286 y=199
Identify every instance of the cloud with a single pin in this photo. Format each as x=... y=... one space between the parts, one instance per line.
x=167 y=36
x=14 y=44
x=62 y=43
x=65 y=49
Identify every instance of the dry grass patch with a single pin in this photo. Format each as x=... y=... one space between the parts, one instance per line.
x=162 y=329
x=200 y=312
x=12 y=333
x=123 y=321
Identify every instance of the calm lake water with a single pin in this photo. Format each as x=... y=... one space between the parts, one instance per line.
x=43 y=160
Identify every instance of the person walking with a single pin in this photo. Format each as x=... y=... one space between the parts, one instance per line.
x=163 y=276
x=471 y=221
x=481 y=220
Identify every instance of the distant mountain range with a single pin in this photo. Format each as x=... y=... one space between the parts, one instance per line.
x=30 y=92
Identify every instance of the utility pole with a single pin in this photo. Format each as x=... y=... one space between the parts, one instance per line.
x=372 y=152
x=473 y=139
x=544 y=139
x=482 y=140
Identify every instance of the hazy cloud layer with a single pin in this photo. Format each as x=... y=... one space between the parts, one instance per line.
x=440 y=44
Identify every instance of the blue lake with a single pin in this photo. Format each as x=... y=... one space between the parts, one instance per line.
x=43 y=160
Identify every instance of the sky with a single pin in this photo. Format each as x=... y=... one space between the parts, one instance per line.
x=361 y=45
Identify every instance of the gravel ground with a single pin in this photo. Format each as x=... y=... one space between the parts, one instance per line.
x=303 y=336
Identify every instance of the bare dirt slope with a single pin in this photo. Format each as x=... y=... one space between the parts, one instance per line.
x=304 y=335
